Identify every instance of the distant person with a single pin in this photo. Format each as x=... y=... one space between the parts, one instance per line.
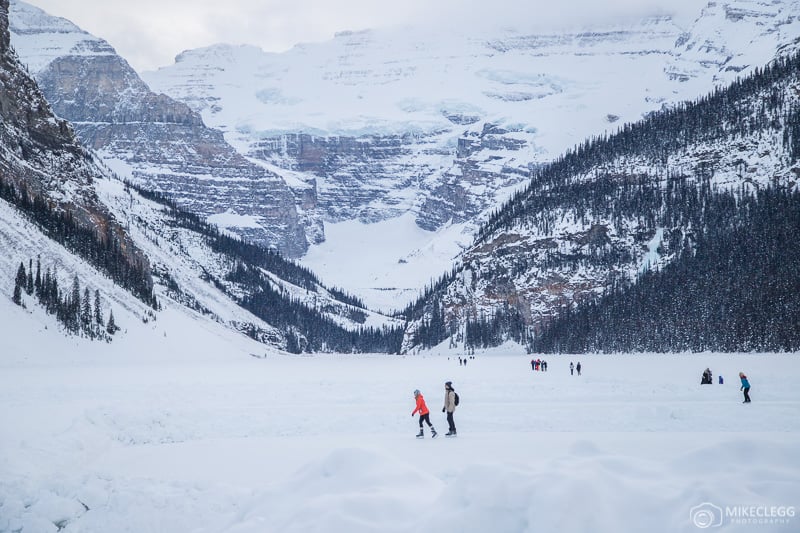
x=720 y=379
x=745 y=387
x=571 y=369
x=449 y=408
x=424 y=415
x=544 y=366
x=533 y=364
x=578 y=368
x=465 y=361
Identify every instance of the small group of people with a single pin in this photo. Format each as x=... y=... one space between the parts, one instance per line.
x=573 y=368
x=538 y=364
x=708 y=378
x=424 y=413
x=462 y=361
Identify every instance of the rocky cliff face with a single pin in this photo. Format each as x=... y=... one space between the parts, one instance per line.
x=752 y=28
x=157 y=142
x=40 y=154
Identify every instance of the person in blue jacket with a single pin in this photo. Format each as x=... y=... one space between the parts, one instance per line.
x=745 y=387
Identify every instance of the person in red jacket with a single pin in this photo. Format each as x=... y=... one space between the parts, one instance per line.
x=424 y=414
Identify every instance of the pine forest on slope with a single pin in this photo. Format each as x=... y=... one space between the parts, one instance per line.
x=661 y=181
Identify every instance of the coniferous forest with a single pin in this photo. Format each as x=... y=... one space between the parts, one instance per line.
x=735 y=284
x=736 y=289
x=103 y=250
x=79 y=313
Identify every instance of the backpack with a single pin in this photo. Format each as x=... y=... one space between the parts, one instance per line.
x=455 y=398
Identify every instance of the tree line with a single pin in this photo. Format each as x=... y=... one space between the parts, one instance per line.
x=79 y=314
x=736 y=289
x=756 y=104
x=100 y=247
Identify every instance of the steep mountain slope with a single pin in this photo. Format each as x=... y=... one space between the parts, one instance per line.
x=139 y=252
x=48 y=175
x=737 y=289
x=615 y=207
x=152 y=139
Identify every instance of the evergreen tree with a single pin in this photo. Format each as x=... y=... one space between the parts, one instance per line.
x=17 y=298
x=86 y=312
x=74 y=306
x=111 y=326
x=38 y=281
x=98 y=310
x=29 y=283
x=21 y=279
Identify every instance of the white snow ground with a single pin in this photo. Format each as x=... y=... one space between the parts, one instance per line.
x=173 y=427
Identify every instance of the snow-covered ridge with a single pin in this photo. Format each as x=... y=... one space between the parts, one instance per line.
x=40 y=38
x=149 y=138
x=392 y=79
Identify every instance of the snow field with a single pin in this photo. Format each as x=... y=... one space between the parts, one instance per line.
x=232 y=443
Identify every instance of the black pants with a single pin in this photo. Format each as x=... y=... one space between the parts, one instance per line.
x=450 y=422
x=747 y=394
x=425 y=418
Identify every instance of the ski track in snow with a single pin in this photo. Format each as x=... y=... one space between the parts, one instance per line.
x=222 y=443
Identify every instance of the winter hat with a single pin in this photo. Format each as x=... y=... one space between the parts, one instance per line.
x=448 y=383
x=416 y=392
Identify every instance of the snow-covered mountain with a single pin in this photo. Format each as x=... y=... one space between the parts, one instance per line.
x=64 y=212
x=438 y=127
x=413 y=132
x=152 y=139
x=619 y=206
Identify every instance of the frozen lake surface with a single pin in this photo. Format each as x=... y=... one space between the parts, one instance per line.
x=326 y=443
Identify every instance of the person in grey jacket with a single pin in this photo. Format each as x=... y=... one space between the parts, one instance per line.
x=449 y=408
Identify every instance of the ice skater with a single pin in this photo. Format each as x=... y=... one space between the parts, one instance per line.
x=745 y=387
x=571 y=369
x=424 y=415
x=578 y=368
x=449 y=408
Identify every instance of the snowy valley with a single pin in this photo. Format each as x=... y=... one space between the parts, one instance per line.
x=241 y=392
x=416 y=132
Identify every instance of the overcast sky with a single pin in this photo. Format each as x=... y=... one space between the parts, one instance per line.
x=150 y=33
